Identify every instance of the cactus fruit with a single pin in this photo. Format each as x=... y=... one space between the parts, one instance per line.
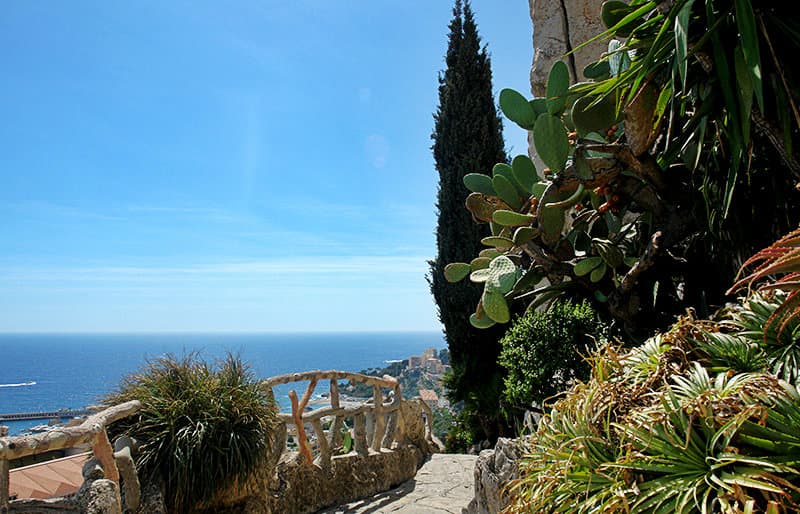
x=479 y=183
x=506 y=191
x=551 y=142
x=589 y=116
x=557 y=85
x=496 y=307
x=512 y=218
x=517 y=109
x=456 y=271
x=525 y=172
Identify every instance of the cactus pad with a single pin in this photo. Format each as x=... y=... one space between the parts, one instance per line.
x=512 y=218
x=456 y=271
x=557 y=85
x=517 y=109
x=479 y=183
x=550 y=140
x=496 y=307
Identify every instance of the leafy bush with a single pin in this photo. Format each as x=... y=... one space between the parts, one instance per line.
x=545 y=351
x=201 y=427
x=459 y=438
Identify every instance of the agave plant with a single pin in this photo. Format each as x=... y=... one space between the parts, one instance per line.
x=781 y=258
x=780 y=348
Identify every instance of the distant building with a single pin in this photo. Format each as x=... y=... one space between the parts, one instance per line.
x=429 y=353
x=414 y=362
x=430 y=397
x=434 y=365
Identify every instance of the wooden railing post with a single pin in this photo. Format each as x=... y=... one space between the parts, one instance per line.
x=324 y=449
x=335 y=437
x=3 y=486
x=380 y=421
x=360 y=434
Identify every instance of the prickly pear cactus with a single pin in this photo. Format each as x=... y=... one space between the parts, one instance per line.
x=566 y=223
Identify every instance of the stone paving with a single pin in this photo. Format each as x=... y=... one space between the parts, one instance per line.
x=443 y=485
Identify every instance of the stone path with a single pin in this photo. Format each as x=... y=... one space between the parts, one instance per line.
x=443 y=485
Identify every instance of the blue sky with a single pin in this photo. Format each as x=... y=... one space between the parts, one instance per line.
x=240 y=166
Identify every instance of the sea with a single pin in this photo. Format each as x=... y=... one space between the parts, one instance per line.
x=47 y=372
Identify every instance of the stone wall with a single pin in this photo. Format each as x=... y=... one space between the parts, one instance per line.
x=292 y=486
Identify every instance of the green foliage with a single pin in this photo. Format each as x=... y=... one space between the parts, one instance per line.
x=467 y=143
x=544 y=351
x=655 y=431
x=680 y=144
x=459 y=437
x=783 y=258
x=201 y=427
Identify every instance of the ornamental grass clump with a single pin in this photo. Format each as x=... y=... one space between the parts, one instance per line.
x=694 y=420
x=202 y=427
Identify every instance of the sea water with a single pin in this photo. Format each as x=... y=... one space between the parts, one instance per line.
x=46 y=372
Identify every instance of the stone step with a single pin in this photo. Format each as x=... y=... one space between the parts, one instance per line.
x=443 y=485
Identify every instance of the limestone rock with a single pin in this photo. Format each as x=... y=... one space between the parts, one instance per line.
x=99 y=497
x=494 y=469
x=555 y=34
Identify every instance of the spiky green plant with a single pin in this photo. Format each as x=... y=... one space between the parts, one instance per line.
x=654 y=431
x=755 y=317
x=201 y=428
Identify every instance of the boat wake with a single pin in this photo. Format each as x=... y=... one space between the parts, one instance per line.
x=21 y=384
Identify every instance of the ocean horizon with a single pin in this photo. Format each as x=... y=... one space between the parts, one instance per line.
x=52 y=371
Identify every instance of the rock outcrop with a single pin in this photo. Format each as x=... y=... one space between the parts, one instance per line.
x=494 y=470
x=559 y=26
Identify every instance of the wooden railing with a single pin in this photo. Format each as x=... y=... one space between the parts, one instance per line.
x=91 y=432
x=376 y=423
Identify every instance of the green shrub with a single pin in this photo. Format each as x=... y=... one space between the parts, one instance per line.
x=545 y=351
x=459 y=438
x=201 y=427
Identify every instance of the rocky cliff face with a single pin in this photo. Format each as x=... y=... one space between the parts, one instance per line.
x=558 y=27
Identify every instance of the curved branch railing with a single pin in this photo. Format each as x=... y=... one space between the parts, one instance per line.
x=376 y=423
x=92 y=431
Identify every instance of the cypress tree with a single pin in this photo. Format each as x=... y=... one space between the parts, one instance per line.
x=467 y=138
